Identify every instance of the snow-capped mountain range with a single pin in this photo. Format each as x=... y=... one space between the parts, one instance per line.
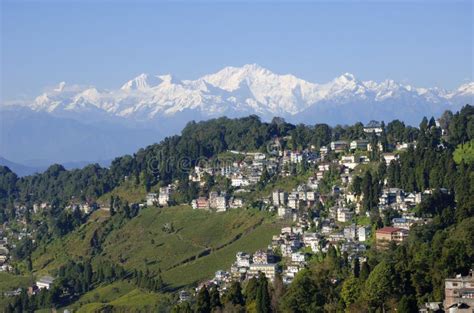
x=252 y=89
x=72 y=123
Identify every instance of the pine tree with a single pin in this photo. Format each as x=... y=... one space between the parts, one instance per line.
x=407 y=304
x=356 y=265
x=364 y=271
x=234 y=295
x=203 y=304
x=263 y=303
x=215 y=298
x=251 y=289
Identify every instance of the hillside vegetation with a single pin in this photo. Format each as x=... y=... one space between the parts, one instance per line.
x=199 y=244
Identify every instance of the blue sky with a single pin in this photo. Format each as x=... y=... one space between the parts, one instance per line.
x=424 y=43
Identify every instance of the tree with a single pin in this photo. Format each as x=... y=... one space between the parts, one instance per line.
x=263 y=302
x=378 y=286
x=278 y=292
x=445 y=119
x=182 y=308
x=203 y=303
x=350 y=290
x=357 y=185
x=407 y=304
x=356 y=267
x=251 y=289
x=302 y=295
x=234 y=294
x=215 y=300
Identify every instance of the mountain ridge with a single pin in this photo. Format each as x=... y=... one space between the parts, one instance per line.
x=238 y=91
x=71 y=123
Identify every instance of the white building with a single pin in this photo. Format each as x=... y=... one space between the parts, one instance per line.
x=221 y=204
x=344 y=215
x=389 y=157
x=279 y=198
x=164 y=195
x=45 y=282
x=284 y=212
x=293 y=201
x=298 y=257
x=242 y=259
x=239 y=181
x=269 y=270
x=151 y=199
x=359 y=144
x=363 y=233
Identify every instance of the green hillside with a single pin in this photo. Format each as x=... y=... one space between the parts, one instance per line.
x=198 y=244
x=122 y=296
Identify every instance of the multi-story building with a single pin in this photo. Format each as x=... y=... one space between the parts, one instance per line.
x=459 y=290
x=359 y=144
x=390 y=234
x=284 y=212
x=344 y=215
x=269 y=270
x=279 y=198
x=200 y=203
x=242 y=259
x=293 y=201
x=262 y=257
x=151 y=198
x=373 y=127
x=164 y=195
x=363 y=233
x=339 y=146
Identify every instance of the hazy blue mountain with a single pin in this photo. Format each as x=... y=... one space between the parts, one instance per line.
x=38 y=139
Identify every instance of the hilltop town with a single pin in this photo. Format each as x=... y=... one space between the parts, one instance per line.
x=350 y=197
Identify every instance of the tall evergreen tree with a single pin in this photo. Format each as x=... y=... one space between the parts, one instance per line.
x=263 y=301
x=203 y=302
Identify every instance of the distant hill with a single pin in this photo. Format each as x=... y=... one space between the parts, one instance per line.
x=38 y=139
x=20 y=169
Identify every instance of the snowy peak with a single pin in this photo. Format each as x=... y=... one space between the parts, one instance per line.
x=60 y=87
x=143 y=82
x=249 y=89
x=345 y=78
x=230 y=78
x=466 y=89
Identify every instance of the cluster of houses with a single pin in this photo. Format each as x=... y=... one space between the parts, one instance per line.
x=7 y=237
x=287 y=204
x=342 y=223
x=245 y=267
x=241 y=173
x=162 y=198
x=4 y=253
x=218 y=201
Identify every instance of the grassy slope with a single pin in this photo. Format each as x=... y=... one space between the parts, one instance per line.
x=142 y=242
x=204 y=267
x=74 y=246
x=202 y=242
x=122 y=296
x=127 y=191
x=11 y=282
